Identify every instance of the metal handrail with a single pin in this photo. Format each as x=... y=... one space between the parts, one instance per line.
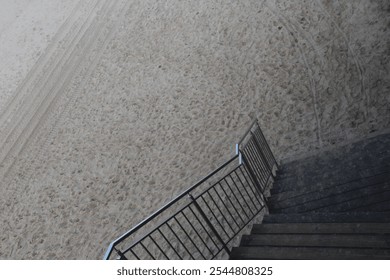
x=165 y=207
x=256 y=166
x=263 y=147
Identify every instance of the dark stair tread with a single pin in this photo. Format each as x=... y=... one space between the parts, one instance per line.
x=379 y=207
x=318 y=240
x=340 y=202
x=291 y=198
x=307 y=253
x=312 y=182
x=370 y=147
x=321 y=228
x=334 y=166
x=313 y=217
x=356 y=204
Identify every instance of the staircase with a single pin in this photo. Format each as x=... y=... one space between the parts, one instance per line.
x=333 y=205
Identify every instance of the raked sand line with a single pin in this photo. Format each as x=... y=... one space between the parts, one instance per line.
x=55 y=84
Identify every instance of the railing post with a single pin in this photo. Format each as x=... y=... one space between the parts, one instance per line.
x=239 y=154
x=121 y=255
x=197 y=206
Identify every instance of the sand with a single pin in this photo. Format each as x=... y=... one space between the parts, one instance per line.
x=110 y=108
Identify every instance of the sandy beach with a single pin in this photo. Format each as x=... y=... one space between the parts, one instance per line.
x=110 y=108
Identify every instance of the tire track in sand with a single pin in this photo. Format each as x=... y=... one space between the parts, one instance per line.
x=59 y=41
x=356 y=59
x=33 y=86
x=52 y=123
x=44 y=92
x=108 y=36
x=291 y=31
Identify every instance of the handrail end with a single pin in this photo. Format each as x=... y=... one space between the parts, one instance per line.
x=109 y=251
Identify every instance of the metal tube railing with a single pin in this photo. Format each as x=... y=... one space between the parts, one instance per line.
x=165 y=207
x=208 y=222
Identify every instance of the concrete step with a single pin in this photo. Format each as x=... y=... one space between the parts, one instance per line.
x=366 y=151
x=308 y=253
x=322 y=228
x=334 y=166
x=358 y=204
x=315 y=217
x=303 y=195
x=326 y=179
x=318 y=240
x=321 y=165
x=335 y=200
x=378 y=207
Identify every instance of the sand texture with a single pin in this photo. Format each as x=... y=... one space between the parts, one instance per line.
x=110 y=108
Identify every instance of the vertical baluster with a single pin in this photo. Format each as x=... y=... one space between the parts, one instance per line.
x=181 y=242
x=227 y=209
x=219 y=210
x=197 y=233
x=170 y=244
x=224 y=245
x=158 y=246
x=189 y=238
x=234 y=207
x=204 y=228
x=243 y=198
